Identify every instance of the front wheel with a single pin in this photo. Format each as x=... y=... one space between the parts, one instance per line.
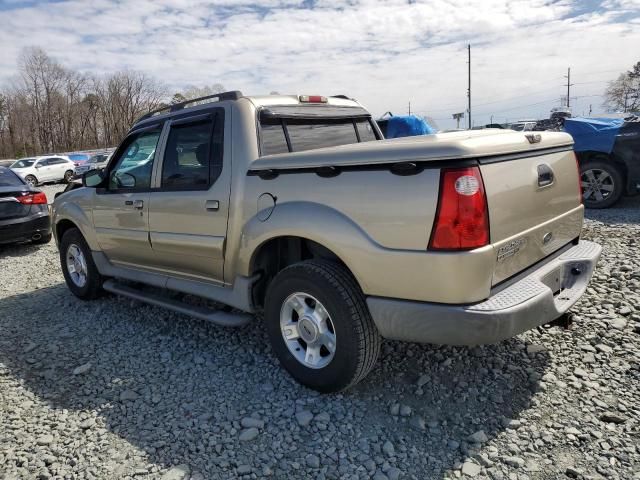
x=602 y=183
x=31 y=181
x=320 y=327
x=80 y=273
x=68 y=176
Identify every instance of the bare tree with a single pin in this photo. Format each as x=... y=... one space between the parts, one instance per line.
x=623 y=94
x=49 y=108
x=122 y=98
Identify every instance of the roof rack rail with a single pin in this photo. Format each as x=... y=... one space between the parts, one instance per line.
x=232 y=95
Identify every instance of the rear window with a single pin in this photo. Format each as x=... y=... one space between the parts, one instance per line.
x=9 y=179
x=307 y=135
x=273 y=139
x=311 y=133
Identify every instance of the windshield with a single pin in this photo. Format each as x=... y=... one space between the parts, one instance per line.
x=23 y=163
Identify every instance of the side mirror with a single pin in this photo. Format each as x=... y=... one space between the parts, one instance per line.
x=92 y=178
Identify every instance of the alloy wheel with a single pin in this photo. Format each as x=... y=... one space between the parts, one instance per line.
x=76 y=265
x=597 y=184
x=308 y=330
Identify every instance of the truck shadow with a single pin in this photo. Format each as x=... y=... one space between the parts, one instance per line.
x=176 y=389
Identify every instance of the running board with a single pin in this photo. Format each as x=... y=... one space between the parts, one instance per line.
x=218 y=317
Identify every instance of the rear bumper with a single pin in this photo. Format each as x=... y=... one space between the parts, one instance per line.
x=21 y=229
x=540 y=297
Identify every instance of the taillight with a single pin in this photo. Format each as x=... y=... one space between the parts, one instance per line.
x=462 y=218
x=33 y=199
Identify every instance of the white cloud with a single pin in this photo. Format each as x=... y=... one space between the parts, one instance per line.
x=384 y=53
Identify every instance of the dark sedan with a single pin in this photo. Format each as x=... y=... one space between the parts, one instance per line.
x=24 y=213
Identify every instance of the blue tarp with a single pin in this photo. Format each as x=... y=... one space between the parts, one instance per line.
x=407 y=126
x=595 y=134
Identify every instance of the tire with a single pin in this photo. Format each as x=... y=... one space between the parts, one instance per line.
x=356 y=341
x=91 y=288
x=602 y=182
x=31 y=180
x=44 y=239
x=68 y=176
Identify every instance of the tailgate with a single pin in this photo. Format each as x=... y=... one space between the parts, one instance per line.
x=534 y=207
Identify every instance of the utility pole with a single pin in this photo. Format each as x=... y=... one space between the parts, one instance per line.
x=409 y=107
x=469 y=85
x=569 y=85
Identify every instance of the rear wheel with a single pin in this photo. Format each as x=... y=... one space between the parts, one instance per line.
x=68 y=176
x=31 y=180
x=320 y=327
x=602 y=183
x=80 y=273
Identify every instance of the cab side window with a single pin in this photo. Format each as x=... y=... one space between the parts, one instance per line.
x=132 y=169
x=193 y=153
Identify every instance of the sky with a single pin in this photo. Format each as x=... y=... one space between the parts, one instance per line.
x=386 y=54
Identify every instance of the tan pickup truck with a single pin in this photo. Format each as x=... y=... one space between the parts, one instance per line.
x=296 y=206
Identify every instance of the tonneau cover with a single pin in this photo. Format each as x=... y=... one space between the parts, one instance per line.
x=442 y=146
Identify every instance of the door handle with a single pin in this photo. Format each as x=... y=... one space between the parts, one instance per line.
x=138 y=204
x=212 y=205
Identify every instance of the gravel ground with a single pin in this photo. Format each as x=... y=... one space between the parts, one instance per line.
x=117 y=389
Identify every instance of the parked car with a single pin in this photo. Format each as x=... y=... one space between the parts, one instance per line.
x=37 y=170
x=296 y=207
x=608 y=151
x=522 y=126
x=78 y=158
x=24 y=213
x=6 y=163
x=96 y=162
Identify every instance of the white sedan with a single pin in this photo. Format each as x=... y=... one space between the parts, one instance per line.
x=37 y=170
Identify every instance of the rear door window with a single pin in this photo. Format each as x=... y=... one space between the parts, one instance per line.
x=193 y=153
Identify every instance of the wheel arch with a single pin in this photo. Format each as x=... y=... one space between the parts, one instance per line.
x=279 y=252
x=70 y=215
x=593 y=155
x=63 y=226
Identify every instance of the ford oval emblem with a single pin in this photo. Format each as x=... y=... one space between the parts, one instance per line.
x=547 y=238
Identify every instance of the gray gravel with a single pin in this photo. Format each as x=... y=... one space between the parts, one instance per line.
x=116 y=389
